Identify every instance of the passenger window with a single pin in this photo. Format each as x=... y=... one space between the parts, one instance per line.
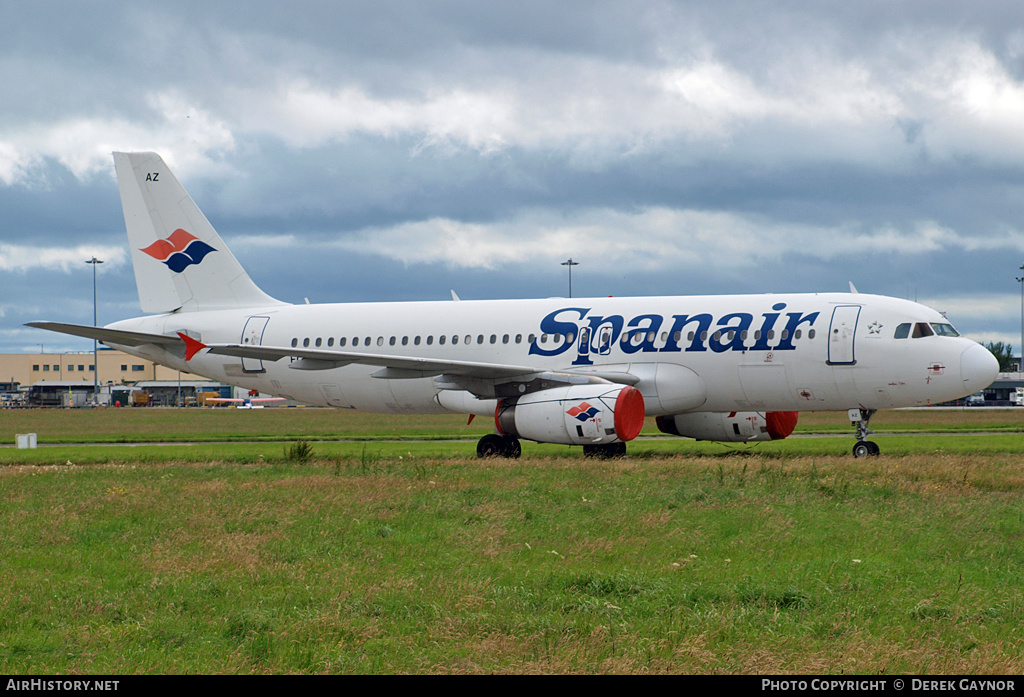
x=342 y=341
x=468 y=340
x=305 y=342
x=441 y=339
x=455 y=339
x=494 y=339
x=519 y=338
x=416 y=341
x=405 y=341
x=810 y=333
x=504 y=339
x=318 y=342
x=903 y=331
x=295 y=342
x=330 y=341
x=430 y=340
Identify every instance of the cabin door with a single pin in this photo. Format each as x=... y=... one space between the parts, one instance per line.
x=841 y=334
x=252 y=335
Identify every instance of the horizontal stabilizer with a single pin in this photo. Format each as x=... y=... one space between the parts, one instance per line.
x=111 y=336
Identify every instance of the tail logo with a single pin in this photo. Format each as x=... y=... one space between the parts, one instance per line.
x=583 y=411
x=179 y=251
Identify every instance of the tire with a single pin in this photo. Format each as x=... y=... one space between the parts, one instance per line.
x=491 y=445
x=865 y=448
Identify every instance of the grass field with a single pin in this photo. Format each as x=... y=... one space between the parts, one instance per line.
x=394 y=551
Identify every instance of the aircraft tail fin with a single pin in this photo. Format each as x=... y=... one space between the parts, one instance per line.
x=181 y=263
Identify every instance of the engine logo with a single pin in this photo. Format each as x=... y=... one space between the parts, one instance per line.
x=583 y=411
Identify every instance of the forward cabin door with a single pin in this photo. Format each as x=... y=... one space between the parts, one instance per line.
x=841 y=335
x=252 y=335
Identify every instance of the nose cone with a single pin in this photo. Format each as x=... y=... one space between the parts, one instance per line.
x=978 y=368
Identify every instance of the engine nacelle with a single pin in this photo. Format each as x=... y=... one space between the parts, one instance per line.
x=574 y=415
x=732 y=427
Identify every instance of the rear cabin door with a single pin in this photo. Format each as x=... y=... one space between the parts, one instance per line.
x=252 y=335
x=841 y=335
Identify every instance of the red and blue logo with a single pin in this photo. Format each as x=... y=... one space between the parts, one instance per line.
x=179 y=251
x=583 y=411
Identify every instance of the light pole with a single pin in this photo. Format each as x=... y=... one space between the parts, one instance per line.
x=1020 y=365
x=95 y=363
x=572 y=263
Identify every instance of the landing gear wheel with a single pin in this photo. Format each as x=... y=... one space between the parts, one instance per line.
x=493 y=445
x=512 y=448
x=865 y=448
x=606 y=451
x=860 y=418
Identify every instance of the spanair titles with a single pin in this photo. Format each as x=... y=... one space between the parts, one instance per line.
x=687 y=333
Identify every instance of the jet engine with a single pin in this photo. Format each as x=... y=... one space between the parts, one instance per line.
x=573 y=415
x=732 y=427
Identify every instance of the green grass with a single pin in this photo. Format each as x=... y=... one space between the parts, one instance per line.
x=387 y=557
x=146 y=425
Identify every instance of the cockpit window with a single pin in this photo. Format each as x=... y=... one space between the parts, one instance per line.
x=903 y=331
x=944 y=329
x=921 y=329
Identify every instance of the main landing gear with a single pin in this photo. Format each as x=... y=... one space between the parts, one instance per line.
x=493 y=445
x=860 y=419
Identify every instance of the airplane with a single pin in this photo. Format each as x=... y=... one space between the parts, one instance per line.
x=249 y=402
x=579 y=371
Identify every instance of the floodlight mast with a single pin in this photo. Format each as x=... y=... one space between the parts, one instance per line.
x=95 y=363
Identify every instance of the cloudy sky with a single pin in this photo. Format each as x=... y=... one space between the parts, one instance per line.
x=354 y=151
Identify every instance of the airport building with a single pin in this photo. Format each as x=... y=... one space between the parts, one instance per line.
x=115 y=368
x=69 y=379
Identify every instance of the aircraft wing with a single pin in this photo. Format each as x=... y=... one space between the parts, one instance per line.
x=398 y=367
x=111 y=336
x=392 y=367
x=395 y=366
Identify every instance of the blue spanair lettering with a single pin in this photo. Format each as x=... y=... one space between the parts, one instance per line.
x=761 y=344
x=795 y=320
x=646 y=333
x=675 y=334
x=640 y=334
x=551 y=325
x=736 y=342
x=604 y=332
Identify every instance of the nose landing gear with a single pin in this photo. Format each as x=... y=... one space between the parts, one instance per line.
x=860 y=418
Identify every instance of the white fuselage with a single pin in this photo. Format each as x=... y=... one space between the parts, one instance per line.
x=799 y=352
